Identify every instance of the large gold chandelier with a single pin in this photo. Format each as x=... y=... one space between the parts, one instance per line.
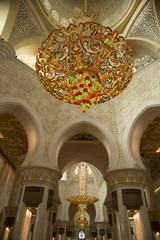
x=85 y=64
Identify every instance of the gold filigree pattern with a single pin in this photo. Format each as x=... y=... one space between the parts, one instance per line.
x=150 y=142
x=131 y=175
x=13 y=143
x=40 y=173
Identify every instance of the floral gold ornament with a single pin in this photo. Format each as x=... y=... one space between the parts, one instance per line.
x=85 y=64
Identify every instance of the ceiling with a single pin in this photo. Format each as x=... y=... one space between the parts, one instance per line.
x=27 y=23
x=111 y=12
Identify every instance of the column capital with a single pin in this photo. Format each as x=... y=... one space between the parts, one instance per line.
x=11 y=211
x=62 y=224
x=154 y=215
x=37 y=173
x=126 y=175
x=101 y=224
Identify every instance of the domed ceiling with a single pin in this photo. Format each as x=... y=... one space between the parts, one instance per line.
x=112 y=12
x=33 y=21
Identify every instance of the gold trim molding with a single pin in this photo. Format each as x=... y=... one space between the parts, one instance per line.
x=127 y=175
x=40 y=174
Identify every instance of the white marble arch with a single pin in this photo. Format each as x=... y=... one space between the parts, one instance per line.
x=88 y=125
x=32 y=125
x=135 y=128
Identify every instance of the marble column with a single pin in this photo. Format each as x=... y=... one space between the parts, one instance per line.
x=123 y=217
x=100 y=232
x=142 y=222
x=144 y=217
x=157 y=235
x=114 y=229
x=2 y=224
x=6 y=234
x=117 y=229
x=145 y=223
x=48 y=234
x=40 y=177
x=123 y=179
x=41 y=217
x=98 y=235
x=17 y=232
x=62 y=228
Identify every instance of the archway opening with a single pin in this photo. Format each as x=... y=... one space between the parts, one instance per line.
x=83 y=147
x=103 y=137
x=31 y=125
x=96 y=186
x=150 y=148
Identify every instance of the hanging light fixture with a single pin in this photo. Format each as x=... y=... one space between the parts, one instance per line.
x=85 y=64
x=82 y=199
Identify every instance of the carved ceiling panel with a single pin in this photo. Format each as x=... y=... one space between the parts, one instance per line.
x=13 y=140
x=111 y=11
x=150 y=142
x=26 y=24
x=145 y=26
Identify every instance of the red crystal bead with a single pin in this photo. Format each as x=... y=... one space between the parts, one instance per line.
x=81 y=85
x=87 y=78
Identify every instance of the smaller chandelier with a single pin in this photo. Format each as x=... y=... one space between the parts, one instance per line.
x=85 y=65
x=82 y=199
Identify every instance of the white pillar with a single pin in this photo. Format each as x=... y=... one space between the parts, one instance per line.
x=6 y=234
x=17 y=232
x=114 y=224
x=41 y=217
x=157 y=236
x=117 y=227
x=145 y=223
x=123 y=217
x=2 y=225
x=64 y=235
x=144 y=218
x=48 y=234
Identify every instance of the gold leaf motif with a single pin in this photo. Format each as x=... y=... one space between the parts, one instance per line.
x=40 y=173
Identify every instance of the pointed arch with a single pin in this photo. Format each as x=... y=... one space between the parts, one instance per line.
x=32 y=125
x=89 y=126
x=135 y=128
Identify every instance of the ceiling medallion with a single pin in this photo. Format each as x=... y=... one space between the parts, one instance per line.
x=85 y=64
